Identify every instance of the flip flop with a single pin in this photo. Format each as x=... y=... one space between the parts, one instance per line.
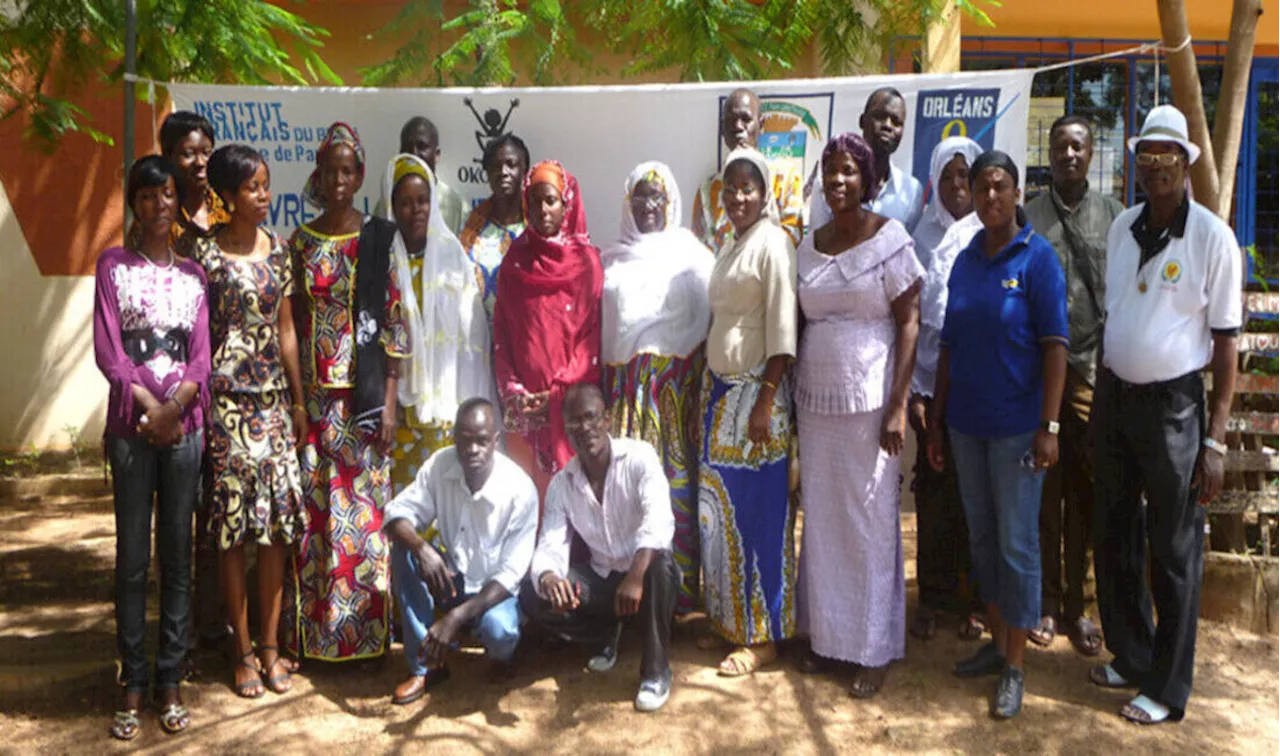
x=1044 y=634
x=1105 y=676
x=125 y=725
x=1145 y=711
x=925 y=624
x=278 y=684
x=175 y=718
x=744 y=660
x=869 y=681
x=971 y=628
x=1086 y=637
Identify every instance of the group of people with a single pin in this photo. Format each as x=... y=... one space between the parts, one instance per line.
x=489 y=424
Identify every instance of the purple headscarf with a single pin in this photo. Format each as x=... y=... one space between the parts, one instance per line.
x=857 y=148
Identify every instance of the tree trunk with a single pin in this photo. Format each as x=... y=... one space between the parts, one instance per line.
x=1229 y=120
x=1189 y=98
x=942 y=40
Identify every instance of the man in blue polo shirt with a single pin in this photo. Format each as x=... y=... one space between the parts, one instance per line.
x=999 y=387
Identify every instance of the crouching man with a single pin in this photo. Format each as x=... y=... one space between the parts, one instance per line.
x=615 y=496
x=485 y=510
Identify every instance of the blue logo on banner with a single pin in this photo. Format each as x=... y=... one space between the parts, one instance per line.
x=942 y=113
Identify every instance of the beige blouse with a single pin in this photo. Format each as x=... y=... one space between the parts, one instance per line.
x=753 y=300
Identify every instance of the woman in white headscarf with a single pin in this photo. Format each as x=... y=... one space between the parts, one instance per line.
x=655 y=316
x=746 y=515
x=443 y=309
x=942 y=557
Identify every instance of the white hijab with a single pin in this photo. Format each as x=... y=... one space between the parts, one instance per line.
x=936 y=218
x=769 y=210
x=655 y=285
x=448 y=331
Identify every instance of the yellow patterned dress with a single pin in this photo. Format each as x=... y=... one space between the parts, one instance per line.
x=341 y=609
x=253 y=485
x=415 y=440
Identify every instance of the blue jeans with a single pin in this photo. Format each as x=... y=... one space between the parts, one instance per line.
x=1002 y=507
x=144 y=479
x=498 y=628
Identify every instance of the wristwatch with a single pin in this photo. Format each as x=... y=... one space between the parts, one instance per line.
x=1052 y=426
x=1215 y=445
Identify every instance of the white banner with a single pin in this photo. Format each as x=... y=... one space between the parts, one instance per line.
x=599 y=133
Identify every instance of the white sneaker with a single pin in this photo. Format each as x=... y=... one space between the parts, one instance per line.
x=608 y=656
x=654 y=693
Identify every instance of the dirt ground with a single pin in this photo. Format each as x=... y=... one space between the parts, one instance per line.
x=57 y=692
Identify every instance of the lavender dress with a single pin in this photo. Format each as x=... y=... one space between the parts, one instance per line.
x=852 y=594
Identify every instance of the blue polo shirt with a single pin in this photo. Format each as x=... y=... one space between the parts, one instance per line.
x=999 y=309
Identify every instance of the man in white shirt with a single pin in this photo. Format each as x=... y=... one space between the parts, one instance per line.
x=614 y=494
x=1173 y=307
x=485 y=510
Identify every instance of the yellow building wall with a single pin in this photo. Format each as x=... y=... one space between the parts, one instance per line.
x=58 y=211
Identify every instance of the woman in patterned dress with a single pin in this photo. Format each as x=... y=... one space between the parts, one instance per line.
x=347 y=307
x=253 y=487
x=655 y=314
x=498 y=221
x=546 y=321
x=859 y=290
x=746 y=515
x=443 y=310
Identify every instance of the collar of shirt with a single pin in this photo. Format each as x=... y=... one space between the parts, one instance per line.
x=454 y=475
x=1057 y=200
x=1019 y=241
x=578 y=475
x=1152 y=242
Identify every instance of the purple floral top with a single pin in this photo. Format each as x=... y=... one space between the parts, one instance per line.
x=151 y=328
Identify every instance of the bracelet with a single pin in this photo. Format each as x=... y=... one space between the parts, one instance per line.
x=1215 y=445
x=174 y=399
x=769 y=384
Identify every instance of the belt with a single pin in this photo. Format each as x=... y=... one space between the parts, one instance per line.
x=1192 y=380
x=142 y=345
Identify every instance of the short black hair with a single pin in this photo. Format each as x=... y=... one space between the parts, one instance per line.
x=584 y=387
x=871 y=98
x=1071 y=119
x=993 y=159
x=231 y=165
x=178 y=124
x=150 y=171
x=491 y=149
x=475 y=403
x=412 y=125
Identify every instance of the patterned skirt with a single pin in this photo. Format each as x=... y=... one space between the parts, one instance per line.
x=253 y=485
x=340 y=608
x=745 y=512
x=655 y=399
x=414 y=444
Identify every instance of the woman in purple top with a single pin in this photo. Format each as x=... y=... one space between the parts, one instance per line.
x=859 y=290
x=151 y=341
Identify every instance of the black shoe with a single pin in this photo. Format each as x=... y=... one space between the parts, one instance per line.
x=1008 y=701
x=608 y=656
x=986 y=661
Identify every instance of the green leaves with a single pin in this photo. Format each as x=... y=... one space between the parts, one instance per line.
x=50 y=48
x=495 y=42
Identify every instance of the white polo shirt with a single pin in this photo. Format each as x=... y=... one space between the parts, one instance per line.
x=1160 y=319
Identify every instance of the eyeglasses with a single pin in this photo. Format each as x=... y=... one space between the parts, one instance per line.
x=1166 y=159
x=650 y=202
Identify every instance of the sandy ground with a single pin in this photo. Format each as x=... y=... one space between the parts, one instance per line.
x=57 y=692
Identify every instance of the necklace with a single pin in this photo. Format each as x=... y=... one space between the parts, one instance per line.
x=155 y=264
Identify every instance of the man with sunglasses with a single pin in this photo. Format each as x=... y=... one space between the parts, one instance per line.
x=1173 y=308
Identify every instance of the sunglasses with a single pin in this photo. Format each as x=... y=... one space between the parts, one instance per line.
x=1165 y=159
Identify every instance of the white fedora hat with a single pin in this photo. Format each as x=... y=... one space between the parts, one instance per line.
x=1165 y=123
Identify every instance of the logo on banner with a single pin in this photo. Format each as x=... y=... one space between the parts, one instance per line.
x=942 y=113
x=493 y=126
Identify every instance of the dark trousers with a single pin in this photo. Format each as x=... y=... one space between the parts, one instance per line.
x=1066 y=508
x=1147 y=442
x=942 y=535
x=594 y=620
x=146 y=477
x=208 y=615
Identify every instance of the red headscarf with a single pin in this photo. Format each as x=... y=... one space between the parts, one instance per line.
x=546 y=319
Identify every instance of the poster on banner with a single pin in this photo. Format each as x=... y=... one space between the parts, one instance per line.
x=599 y=133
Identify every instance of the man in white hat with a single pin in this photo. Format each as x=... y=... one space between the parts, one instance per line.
x=1173 y=307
